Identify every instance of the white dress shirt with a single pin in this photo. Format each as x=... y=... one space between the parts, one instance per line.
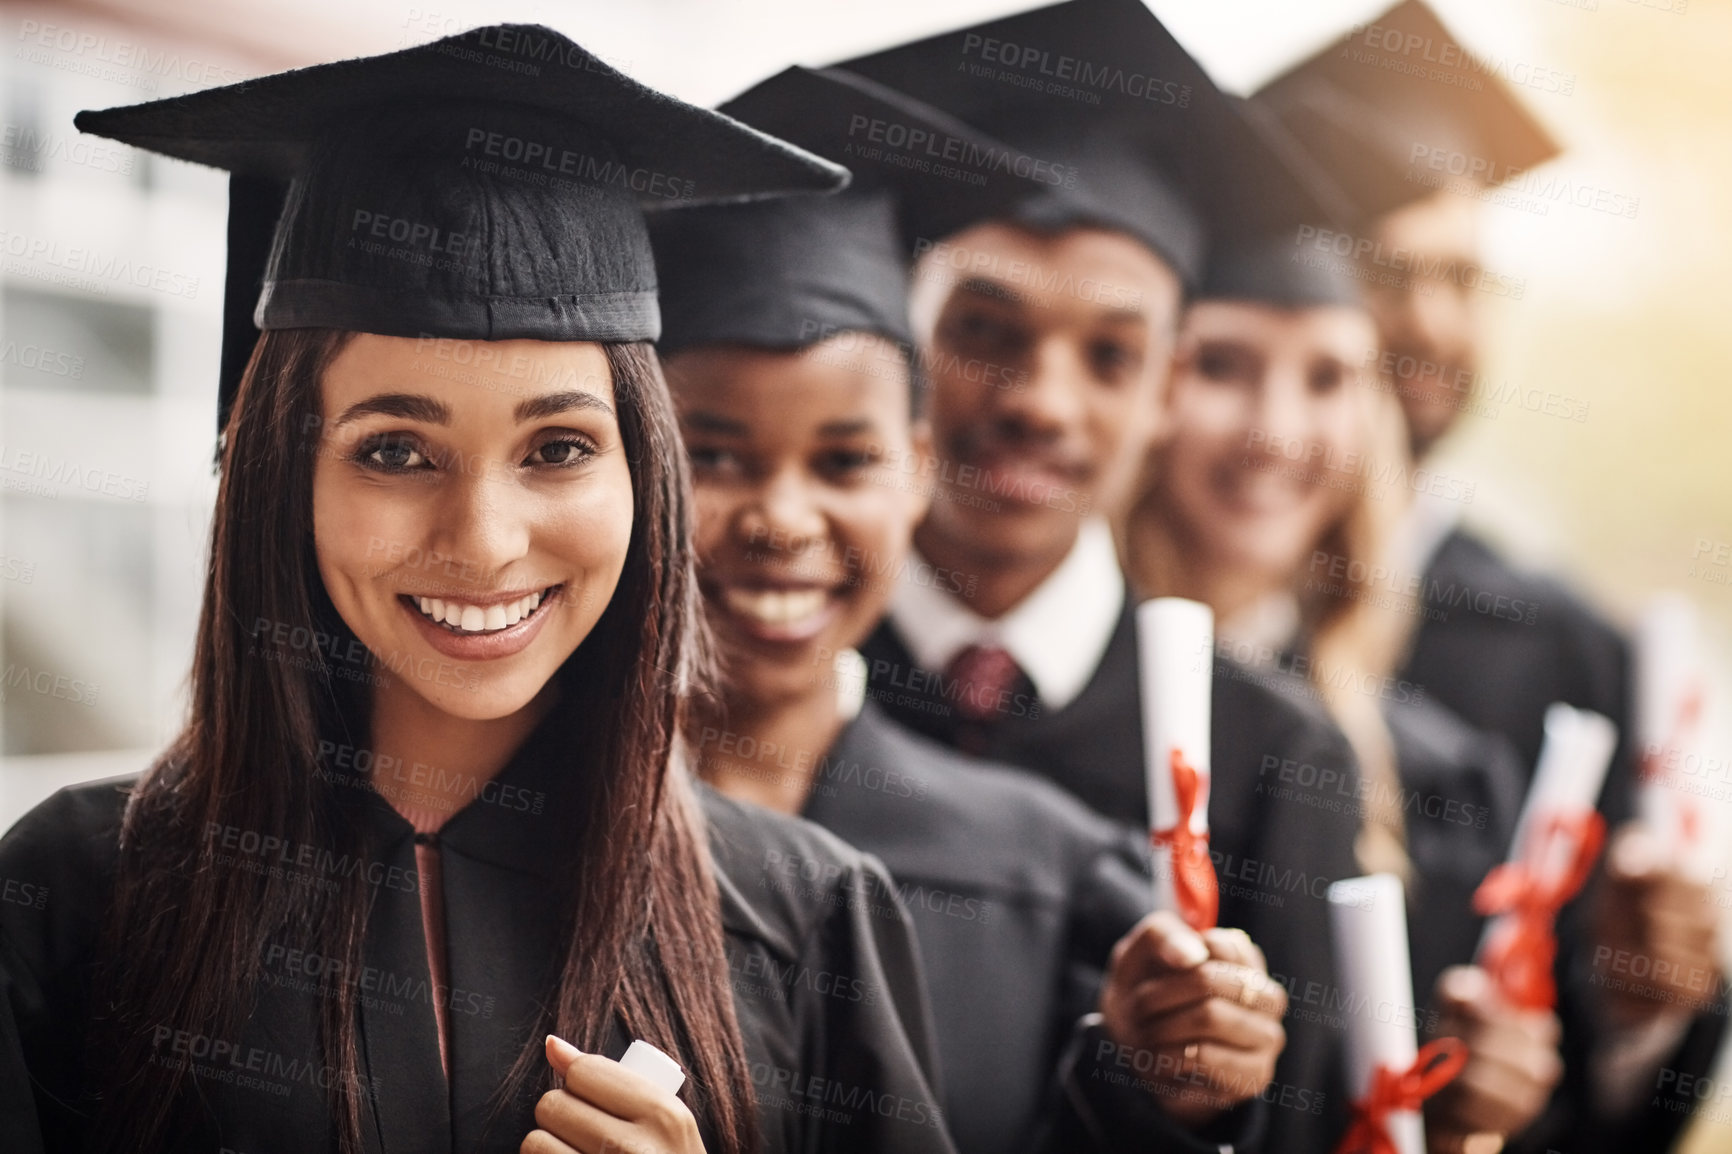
x=1058 y=634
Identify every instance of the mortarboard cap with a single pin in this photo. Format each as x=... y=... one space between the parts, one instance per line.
x=790 y=272
x=1099 y=89
x=486 y=186
x=1278 y=267
x=1374 y=108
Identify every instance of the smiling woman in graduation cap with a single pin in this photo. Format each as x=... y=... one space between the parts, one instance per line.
x=428 y=807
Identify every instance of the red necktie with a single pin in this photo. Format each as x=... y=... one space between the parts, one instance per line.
x=985 y=685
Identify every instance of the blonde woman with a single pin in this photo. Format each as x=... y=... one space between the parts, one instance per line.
x=1274 y=493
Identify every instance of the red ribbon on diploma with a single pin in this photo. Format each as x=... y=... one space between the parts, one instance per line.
x=1521 y=951
x=1390 y=1092
x=1194 y=885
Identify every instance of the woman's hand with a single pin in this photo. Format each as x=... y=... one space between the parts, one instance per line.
x=1204 y=1005
x=606 y=1109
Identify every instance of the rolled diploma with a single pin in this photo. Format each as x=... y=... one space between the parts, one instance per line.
x=1669 y=674
x=1572 y=769
x=1369 y=918
x=1176 y=664
x=644 y=1059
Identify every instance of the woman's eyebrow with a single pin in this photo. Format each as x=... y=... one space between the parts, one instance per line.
x=552 y=404
x=410 y=406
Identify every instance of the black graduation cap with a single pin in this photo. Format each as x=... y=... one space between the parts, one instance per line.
x=1377 y=107
x=1278 y=269
x=486 y=186
x=791 y=272
x=1099 y=89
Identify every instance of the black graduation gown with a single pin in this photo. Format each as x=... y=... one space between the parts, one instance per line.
x=1281 y=816
x=1497 y=646
x=1018 y=893
x=824 y=970
x=1461 y=794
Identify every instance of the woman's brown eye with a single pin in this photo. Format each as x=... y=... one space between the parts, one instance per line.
x=564 y=452
x=390 y=455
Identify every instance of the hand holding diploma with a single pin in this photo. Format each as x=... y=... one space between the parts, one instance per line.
x=1557 y=841
x=1204 y=1005
x=1175 y=654
x=608 y=1106
x=1656 y=929
x=1512 y=1062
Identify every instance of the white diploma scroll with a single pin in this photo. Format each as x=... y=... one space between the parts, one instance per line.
x=1175 y=658
x=1368 y=916
x=1572 y=769
x=1671 y=703
x=645 y=1060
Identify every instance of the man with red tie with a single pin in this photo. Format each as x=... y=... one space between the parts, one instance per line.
x=1047 y=326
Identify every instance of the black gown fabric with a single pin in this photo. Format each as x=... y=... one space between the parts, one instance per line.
x=1018 y=894
x=1281 y=812
x=1461 y=794
x=823 y=965
x=1498 y=646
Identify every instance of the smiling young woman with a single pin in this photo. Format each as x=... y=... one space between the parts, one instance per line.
x=429 y=807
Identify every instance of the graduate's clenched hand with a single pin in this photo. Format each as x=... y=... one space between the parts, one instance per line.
x=1512 y=1061
x=606 y=1109
x=1655 y=933
x=1202 y=1007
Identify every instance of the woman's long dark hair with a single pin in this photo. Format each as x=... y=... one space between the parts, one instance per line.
x=643 y=940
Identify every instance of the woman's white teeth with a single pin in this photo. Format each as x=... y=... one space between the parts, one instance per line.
x=477 y=618
x=776 y=606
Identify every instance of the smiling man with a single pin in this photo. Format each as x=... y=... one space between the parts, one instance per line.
x=1047 y=326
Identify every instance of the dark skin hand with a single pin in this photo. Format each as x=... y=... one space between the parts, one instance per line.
x=1204 y=1005
x=1656 y=934
x=1512 y=1063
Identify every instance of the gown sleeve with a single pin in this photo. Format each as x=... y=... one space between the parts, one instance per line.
x=878 y=1041
x=828 y=988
